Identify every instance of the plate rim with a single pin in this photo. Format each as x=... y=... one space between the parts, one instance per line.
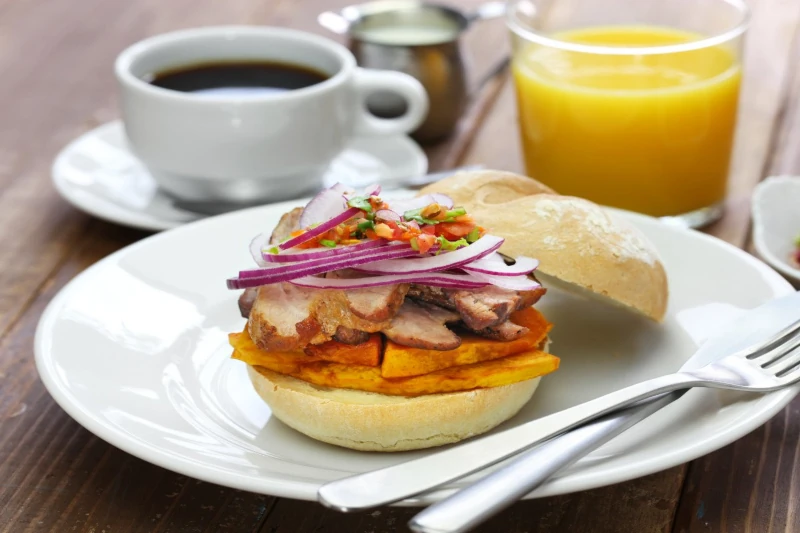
x=305 y=490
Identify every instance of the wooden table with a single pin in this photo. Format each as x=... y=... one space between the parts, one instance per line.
x=55 y=60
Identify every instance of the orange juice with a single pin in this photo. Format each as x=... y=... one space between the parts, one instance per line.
x=649 y=133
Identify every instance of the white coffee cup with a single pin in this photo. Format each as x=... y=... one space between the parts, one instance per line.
x=205 y=147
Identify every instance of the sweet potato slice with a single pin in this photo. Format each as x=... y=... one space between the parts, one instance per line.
x=403 y=361
x=365 y=354
x=495 y=373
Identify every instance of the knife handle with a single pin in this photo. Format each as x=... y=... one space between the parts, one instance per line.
x=483 y=499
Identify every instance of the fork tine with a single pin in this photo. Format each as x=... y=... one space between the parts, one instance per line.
x=788 y=361
x=765 y=353
x=791 y=368
x=769 y=359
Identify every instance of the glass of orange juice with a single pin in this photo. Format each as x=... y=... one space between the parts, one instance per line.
x=630 y=103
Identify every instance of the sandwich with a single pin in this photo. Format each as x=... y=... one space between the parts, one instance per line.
x=389 y=325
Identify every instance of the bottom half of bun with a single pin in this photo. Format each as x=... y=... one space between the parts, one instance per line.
x=370 y=421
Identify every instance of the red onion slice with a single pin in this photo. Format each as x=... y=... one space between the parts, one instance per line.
x=325 y=209
x=344 y=190
x=494 y=264
x=514 y=283
x=445 y=261
x=401 y=206
x=279 y=273
x=438 y=279
x=294 y=256
x=319 y=230
x=372 y=190
x=256 y=245
x=330 y=264
x=386 y=214
x=324 y=206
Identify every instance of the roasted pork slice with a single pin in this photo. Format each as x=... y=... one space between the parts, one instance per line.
x=504 y=331
x=286 y=317
x=372 y=303
x=246 y=301
x=350 y=336
x=479 y=308
x=432 y=295
x=288 y=223
x=423 y=326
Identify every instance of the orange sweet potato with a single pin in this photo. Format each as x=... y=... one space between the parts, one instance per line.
x=403 y=361
x=365 y=354
x=503 y=371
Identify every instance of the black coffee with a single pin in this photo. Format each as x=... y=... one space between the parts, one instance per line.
x=238 y=78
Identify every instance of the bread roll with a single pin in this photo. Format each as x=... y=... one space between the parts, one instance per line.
x=377 y=422
x=578 y=243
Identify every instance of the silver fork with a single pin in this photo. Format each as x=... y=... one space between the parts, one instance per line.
x=766 y=367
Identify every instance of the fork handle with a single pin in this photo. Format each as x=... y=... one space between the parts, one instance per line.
x=483 y=499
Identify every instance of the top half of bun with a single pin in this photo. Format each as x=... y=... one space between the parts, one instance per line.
x=577 y=242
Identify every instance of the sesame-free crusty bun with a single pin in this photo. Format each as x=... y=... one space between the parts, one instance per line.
x=369 y=421
x=576 y=241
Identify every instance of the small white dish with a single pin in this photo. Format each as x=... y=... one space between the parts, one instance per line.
x=98 y=174
x=135 y=349
x=776 y=223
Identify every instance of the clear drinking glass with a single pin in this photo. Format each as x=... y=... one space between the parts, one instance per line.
x=630 y=103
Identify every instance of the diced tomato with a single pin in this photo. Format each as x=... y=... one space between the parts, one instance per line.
x=430 y=230
x=425 y=242
x=457 y=229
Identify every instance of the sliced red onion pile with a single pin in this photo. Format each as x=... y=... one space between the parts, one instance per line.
x=379 y=262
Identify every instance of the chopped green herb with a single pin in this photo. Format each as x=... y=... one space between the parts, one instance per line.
x=364 y=226
x=361 y=202
x=473 y=235
x=797 y=241
x=444 y=244
x=414 y=244
x=328 y=243
x=455 y=212
x=416 y=215
x=274 y=250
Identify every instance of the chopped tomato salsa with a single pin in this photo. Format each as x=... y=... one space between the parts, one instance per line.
x=422 y=228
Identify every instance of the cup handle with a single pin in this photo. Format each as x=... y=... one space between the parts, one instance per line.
x=368 y=81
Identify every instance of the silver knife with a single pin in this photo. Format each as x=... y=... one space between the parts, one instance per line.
x=395 y=483
x=483 y=499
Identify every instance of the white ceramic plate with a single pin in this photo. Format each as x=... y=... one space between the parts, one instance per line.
x=776 y=222
x=98 y=174
x=135 y=349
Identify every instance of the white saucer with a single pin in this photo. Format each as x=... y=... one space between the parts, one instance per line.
x=98 y=174
x=776 y=223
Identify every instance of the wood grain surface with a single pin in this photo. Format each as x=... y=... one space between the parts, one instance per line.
x=56 y=57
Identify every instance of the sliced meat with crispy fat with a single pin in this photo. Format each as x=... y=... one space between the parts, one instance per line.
x=246 y=301
x=286 y=317
x=421 y=326
x=350 y=336
x=504 y=331
x=479 y=308
x=372 y=303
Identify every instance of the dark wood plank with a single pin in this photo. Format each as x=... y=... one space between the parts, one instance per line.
x=617 y=509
